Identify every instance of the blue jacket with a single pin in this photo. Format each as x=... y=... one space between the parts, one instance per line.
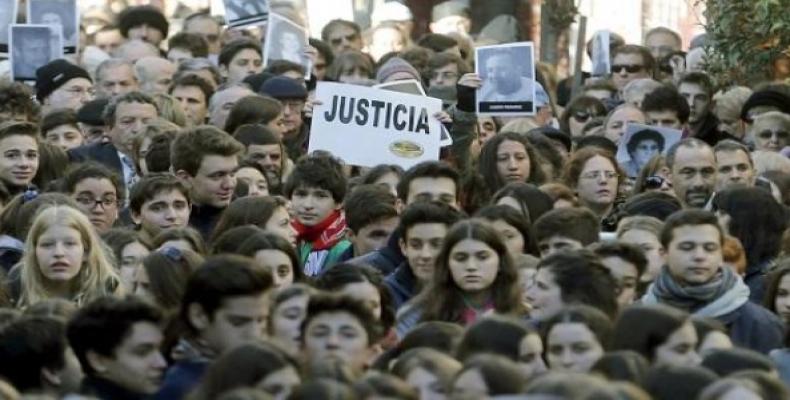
x=385 y=259
x=181 y=378
x=754 y=327
x=402 y=284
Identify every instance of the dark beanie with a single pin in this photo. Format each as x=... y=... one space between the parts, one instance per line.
x=256 y=80
x=55 y=74
x=283 y=87
x=449 y=9
x=136 y=16
x=652 y=204
x=91 y=113
x=770 y=98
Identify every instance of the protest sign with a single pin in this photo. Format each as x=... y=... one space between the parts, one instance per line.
x=368 y=126
x=33 y=46
x=320 y=12
x=508 y=74
x=286 y=40
x=600 y=54
x=239 y=13
x=62 y=14
x=412 y=86
x=641 y=142
x=8 y=10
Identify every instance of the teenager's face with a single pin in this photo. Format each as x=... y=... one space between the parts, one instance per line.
x=530 y=355
x=432 y=189
x=514 y=240
x=664 y=119
x=245 y=63
x=130 y=121
x=654 y=251
x=694 y=255
x=215 y=180
x=694 y=175
x=373 y=236
x=680 y=348
x=280 y=383
x=558 y=244
x=544 y=295
x=312 y=205
x=512 y=162
x=473 y=265
x=782 y=299
x=194 y=102
x=279 y=265
x=60 y=252
x=428 y=385
x=445 y=76
x=98 y=200
x=365 y=293
x=572 y=347
x=136 y=364
x=287 y=322
x=733 y=168
x=131 y=260
x=336 y=335
x=625 y=274
x=256 y=182
x=65 y=136
x=421 y=244
x=280 y=224
x=239 y=320
x=166 y=209
x=18 y=160
x=597 y=184
x=697 y=99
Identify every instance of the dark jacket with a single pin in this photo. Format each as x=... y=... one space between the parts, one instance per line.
x=106 y=390
x=204 y=218
x=296 y=146
x=754 y=327
x=181 y=379
x=385 y=259
x=709 y=133
x=11 y=250
x=755 y=279
x=402 y=284
x=103 y=153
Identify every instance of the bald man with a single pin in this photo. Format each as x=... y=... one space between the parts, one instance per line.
x=154 y=74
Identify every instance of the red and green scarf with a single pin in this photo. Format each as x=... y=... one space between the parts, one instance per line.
x=325 y=234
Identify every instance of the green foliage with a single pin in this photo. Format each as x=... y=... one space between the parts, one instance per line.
x=559 y=13
x=746 y=37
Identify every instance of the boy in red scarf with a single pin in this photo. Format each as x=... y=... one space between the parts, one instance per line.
x=316 y=189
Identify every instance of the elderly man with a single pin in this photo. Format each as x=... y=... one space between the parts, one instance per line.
x=115 y=76
x=154 y=74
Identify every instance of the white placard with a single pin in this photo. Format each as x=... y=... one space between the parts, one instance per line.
x=286 y=40
x=413 y=86
x=239 y=13
x=8 y=10
x=367 y=126
x=601 y=61
x=508 y=74
x=641 y=142
x=320 y=12
x=33 y=46
x=63 y=14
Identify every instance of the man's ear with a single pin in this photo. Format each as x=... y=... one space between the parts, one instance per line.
x=402 y=244
x=96 y=361
x=197 y=317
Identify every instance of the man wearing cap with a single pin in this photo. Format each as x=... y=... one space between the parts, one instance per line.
x=145 y=23
x=91 y=122
x=61 y=84
x=761 y=102
x=293 y=95
x=451 y=17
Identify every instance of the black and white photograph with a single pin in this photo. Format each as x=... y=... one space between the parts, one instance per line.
x=641 y=142
x=8 y=10
x=601 y=61
x=61 y=13
x=508 y=75
x=32 y=46
x=240 y=13
x=286 y=40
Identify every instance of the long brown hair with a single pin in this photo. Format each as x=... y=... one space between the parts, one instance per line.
x=444 y=301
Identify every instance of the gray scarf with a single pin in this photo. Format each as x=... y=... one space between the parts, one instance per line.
x=725 y=293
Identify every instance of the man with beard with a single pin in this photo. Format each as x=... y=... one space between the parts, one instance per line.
x=503 y=80
x=692 y=166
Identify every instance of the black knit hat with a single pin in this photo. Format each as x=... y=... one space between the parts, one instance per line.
x=55 y=74
x=136 y=16
x=771 y=98
x=283 y=87
x=91 y=112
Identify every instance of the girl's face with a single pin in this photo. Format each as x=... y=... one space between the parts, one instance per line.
x=280 y=383
x=572 y=347
x=258 y=186
x=514 y=240
x=287 y=322
x=680 y=348
x=366 y=293
x=280 y=224
x=530 y=355
x=473 y=265
x=132 y=257
x=18 y=160
x=60 y=253
x=544 y=295
x=782 y=299
x=512 y=161
x=279 y=265
x=429 y=386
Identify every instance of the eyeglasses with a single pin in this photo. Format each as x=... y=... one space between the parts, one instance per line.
x=609 y=175
x=296 y=105
x=655 y=182
x=767 y=134
x=90 y=202
x=630 y=68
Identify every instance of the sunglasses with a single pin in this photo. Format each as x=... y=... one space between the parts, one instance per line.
x=655 y=182
x=767 y=134
x=630 y=68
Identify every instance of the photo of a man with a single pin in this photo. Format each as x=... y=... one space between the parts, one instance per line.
x=60 y=13
x=8 y=10
x=245 y=12
x=32 y=46
x=508 y=74
x=641 y=143
x=285 y=40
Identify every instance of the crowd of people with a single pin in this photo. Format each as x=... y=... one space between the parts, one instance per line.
x=165 y=234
